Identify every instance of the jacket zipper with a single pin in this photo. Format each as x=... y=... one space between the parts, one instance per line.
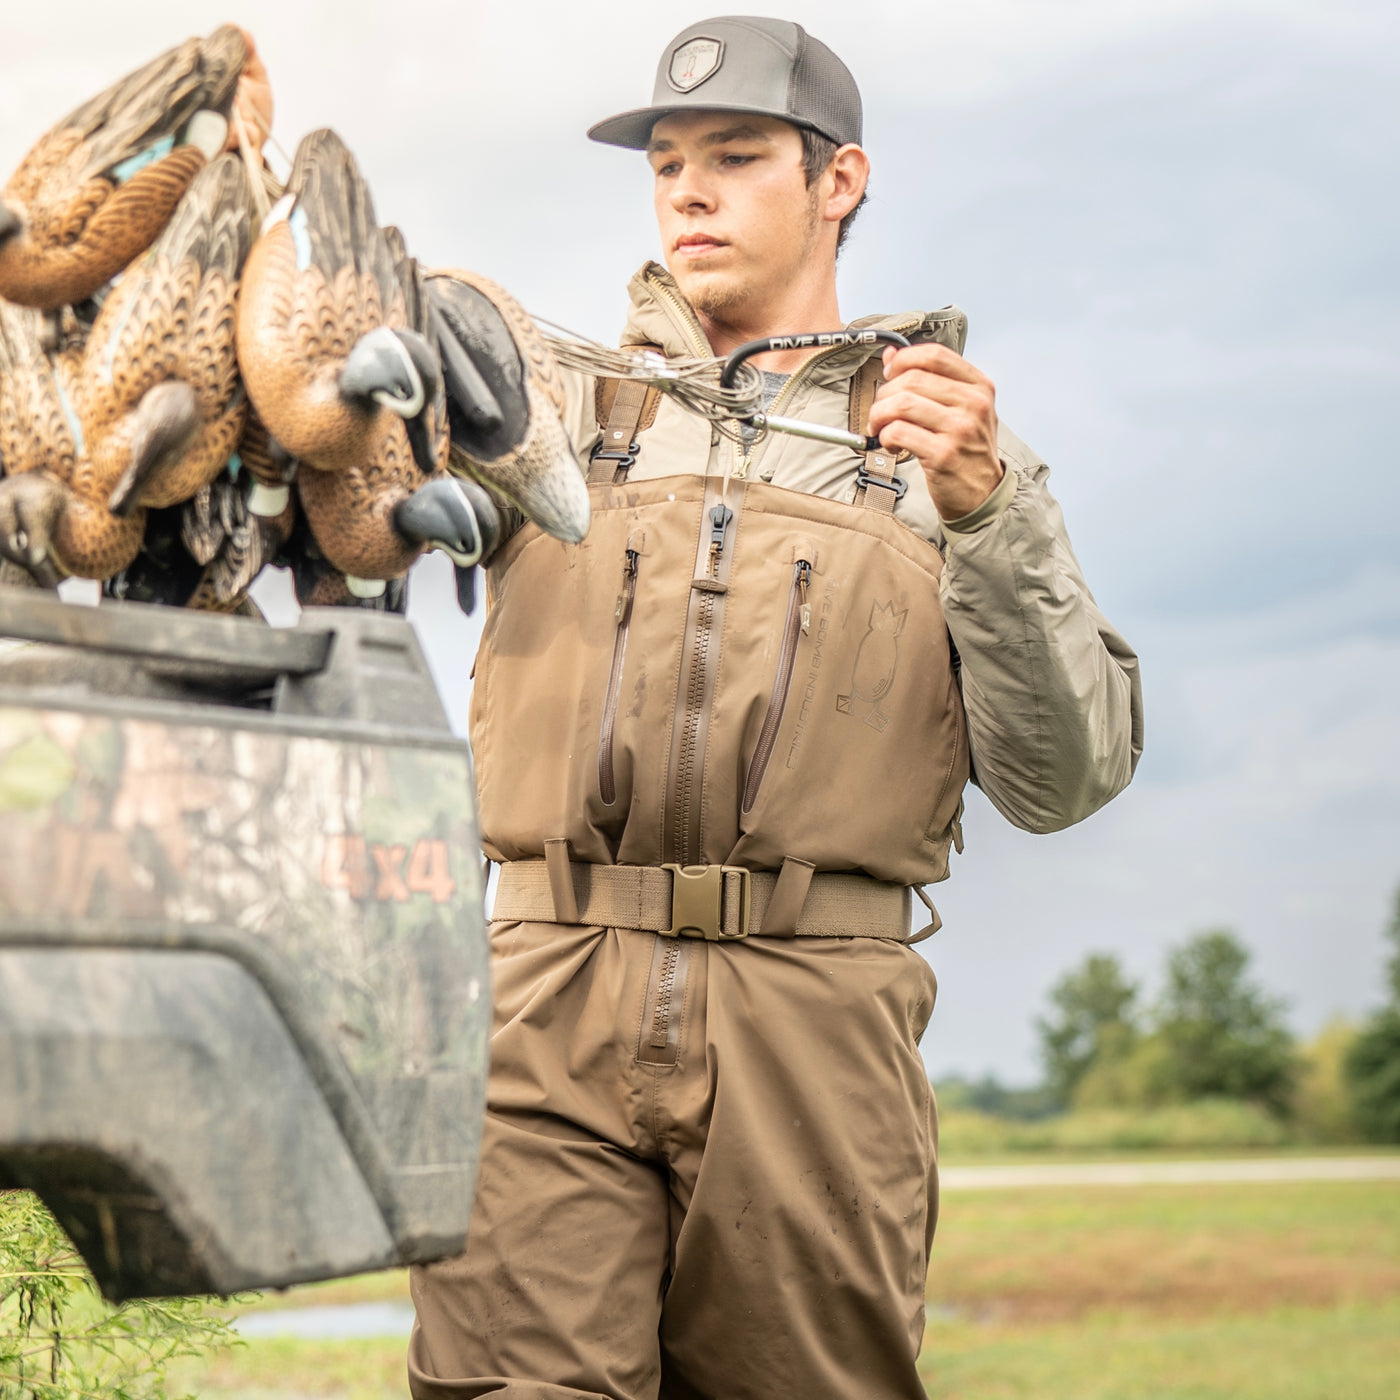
x=607 y=784
x=797 y=623
x=685 y=847
x=685 y=317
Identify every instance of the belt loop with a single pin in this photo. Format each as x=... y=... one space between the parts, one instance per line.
x=789 y=895
x=561 y=880
x=935 y=922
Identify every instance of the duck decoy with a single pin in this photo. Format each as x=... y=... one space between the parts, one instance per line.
x=54 y=519
x=516 y=444
x=324 y=343
x=160 y=401
x=353 y=513
x=97 y=189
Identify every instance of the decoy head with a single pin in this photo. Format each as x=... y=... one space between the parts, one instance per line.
x=505 y=431
x=162 y=426
x=447 y=514
x=31 y=505
x=397 y=370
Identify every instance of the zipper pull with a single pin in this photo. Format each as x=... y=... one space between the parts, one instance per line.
x=629 y=575
x=804 y=572
x=720 y=517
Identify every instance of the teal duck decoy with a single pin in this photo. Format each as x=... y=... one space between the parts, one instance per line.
x=518 y=446
x=97 y=189
x=324 y=341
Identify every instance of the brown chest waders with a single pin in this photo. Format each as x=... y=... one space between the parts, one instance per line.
x=750 y=725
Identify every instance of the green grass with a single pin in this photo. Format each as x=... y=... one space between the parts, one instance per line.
x=1348 y=1353
x=1285 y=1291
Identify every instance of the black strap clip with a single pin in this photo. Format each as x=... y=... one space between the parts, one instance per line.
x=897 y=484
x=616 y=454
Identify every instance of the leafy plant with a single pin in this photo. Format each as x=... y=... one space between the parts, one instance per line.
x=60 y=1341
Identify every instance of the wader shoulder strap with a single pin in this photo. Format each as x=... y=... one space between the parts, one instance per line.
x=624 y=408
x=879 y=488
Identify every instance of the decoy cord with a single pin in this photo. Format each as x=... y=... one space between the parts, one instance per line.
x=693 y=381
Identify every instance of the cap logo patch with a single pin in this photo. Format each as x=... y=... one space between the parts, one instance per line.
x=693 y=62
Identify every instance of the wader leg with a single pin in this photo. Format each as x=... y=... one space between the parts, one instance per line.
x=803 y=1197
x=558 y=1296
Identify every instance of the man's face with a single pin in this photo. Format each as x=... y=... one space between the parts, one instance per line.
x=732 y=205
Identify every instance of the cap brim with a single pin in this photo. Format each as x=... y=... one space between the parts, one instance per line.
x=633 y=129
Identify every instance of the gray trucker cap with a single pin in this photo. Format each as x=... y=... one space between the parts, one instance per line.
x=743 y=63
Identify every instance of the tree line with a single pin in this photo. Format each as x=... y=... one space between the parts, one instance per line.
x=1211 y=1034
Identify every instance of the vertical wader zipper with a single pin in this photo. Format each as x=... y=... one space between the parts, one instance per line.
x=684 y=846
x=622 y=613
x=796 y=624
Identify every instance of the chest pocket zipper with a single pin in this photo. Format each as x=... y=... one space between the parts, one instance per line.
x=607 y=782
x=796 y=624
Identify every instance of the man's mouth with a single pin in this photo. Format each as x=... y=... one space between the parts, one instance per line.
x=695 y=245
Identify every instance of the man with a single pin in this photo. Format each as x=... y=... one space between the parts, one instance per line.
x=717 y=745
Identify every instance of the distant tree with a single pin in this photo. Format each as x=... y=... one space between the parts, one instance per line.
x=989 y=1095
x=1221 y=1036
x=1091 y=1020
x=1373 y=1061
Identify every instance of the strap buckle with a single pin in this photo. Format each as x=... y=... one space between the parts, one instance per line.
x=697 y=902
x=897 y=484
x=623 y=458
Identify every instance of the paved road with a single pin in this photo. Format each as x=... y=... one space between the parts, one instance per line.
x=1254 y=1169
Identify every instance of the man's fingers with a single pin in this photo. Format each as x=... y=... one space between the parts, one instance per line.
x=953 y=419
x=927 y=447
x=938 y=359
x=961 y=393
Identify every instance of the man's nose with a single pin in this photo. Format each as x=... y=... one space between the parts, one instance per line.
x=691 y=193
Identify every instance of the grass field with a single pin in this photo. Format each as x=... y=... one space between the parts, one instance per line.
x=1259 y=1292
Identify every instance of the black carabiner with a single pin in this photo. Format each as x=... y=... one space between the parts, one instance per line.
x=818 y=340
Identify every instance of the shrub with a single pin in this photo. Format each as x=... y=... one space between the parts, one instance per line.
x=60 y=1341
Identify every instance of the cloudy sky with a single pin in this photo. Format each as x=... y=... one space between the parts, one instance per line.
x=1173 y=225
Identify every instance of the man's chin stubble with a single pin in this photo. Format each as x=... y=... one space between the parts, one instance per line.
x=718 y=297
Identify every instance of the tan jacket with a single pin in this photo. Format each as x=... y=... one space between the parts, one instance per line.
x=1051 y=690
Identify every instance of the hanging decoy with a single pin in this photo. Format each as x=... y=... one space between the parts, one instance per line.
x=324 y=342
x=54 y=519
x=96 y=191
x=160 y=401
x=517 y=446
x=372 y=520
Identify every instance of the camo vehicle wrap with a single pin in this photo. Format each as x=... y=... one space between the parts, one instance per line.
x=346 y=872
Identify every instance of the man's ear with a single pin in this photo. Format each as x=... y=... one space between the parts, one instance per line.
x=844 y=181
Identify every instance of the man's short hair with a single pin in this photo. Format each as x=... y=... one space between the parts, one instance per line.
x=817 y=152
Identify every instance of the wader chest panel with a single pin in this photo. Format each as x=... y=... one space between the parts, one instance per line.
x=785 y=687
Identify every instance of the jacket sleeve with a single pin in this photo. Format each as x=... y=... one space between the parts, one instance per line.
x=1051 y=689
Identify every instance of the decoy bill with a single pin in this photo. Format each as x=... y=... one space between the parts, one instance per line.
x=510 y=438
x=97 y=189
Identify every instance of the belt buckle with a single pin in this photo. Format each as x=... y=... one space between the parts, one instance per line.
x=697 y=902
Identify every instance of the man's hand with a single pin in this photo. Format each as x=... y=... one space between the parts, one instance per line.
x=943 y=410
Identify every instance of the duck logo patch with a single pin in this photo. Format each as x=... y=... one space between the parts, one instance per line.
x=877 y=659
x=693 y=62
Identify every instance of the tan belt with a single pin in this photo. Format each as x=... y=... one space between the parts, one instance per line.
x=715 y=902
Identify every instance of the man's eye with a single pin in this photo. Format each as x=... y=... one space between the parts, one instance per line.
x=669 y=169
x=736 y=160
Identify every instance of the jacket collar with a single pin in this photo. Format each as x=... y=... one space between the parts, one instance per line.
x=660 y=315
